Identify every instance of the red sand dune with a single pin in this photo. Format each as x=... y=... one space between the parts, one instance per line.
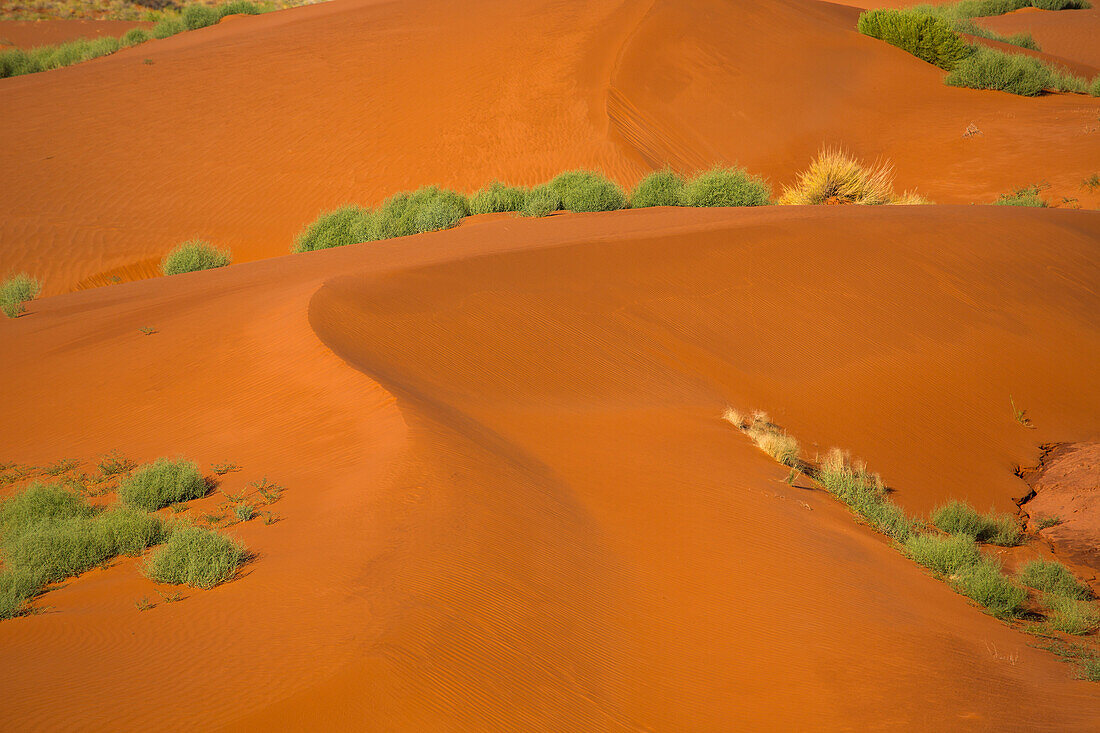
x=242 y=132
x=512 y=504
x=1071 y=34
x=29 y=33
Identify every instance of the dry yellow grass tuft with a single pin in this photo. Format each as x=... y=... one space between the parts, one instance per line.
x=834 y=177
x=767 y=436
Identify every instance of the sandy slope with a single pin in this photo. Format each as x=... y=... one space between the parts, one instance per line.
x=29 y=33
x=1070 y=34
x=242 y=132
x=512 y=504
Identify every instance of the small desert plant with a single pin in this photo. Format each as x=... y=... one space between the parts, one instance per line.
x=271 y=518
x=244 y=512
x=989 y=68
x=767 y=436
x=984 y=583
x=1052 y=577
x=1092 y=183
x=269 y=490
x=16 y=291
x=1048 y=522
x=541 y=201
x=725 y=187
x=169 y=26
x=942 y=555
x=922 y=34
x=337 y=228
x=582 y=191
x=223 y=468
x=147 y=330
x=59 y=467
x=197 y=557
x=163 y=482
x=1026 y=196
x=194 y=256
x=114 y=463
x=1021 y=415
x=835 y=177
x=144 y=604
x=170 y=597
x=213 y=519
x=135 y=36
x=497 y=198
x=199 y=16
x=1071 y=616
x=659 y=188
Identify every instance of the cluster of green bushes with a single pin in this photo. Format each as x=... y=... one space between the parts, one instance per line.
x=933 y=34
x=16 y=61
x=16 y=291
x=48 y=534
x=953 y=552
x=432 y=209
x=1026 y=196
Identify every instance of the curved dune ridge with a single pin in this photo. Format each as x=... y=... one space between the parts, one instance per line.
x=241 y=133
x=512 y=503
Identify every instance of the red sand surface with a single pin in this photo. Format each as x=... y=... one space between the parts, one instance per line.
x=29 y=33
x=512 y=504
x=1071 y=34
x=243 y=132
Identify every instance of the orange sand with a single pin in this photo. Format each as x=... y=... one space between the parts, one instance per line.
x=29 y=33
x=512 y=504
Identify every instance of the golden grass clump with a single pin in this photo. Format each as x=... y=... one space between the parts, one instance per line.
x=767 y=436
x=834 y=177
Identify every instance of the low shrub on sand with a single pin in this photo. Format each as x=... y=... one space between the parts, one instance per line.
x=1026 y=196
x=169 y=26
x=194 y=256
x=427 y=209
x=197 y=557
x=942 y=555
x=583 y=191
x=922 y=34
x=16 y=588
x=835 y=177
x=541 y=201
x=134 y=36
x=38 y=503
x=659 y=188
x=16 y=291
x=989 y=68
x=17 y=61
x=163 y=482
x=725 y=187
x=337 y=228
x=768 y=437
x=497 y=198
x=1053 y=578
x=1071 y=616
x=198 y=16
x=984 y=583
x=128 y=531
x=958 y=517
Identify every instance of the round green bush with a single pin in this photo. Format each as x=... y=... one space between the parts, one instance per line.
x=587 y=191
x=659 y=188
x=1007 y=72
x=197 y=557
x=497 y=198
x=238 y=7
x=337 y=228
x=128 y=531
x=427 y=209
x=134 y=36
x=922 y=34
x=168 y=27
x=38 y=503
x=541 y=201
x=199 y=16
x=162 y=482
x=194 y=256
x=17 y=290
x=725 y=187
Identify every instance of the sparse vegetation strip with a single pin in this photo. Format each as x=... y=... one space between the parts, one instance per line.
x=950 y=546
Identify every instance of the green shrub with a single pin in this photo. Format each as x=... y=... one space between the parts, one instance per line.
x=659 y=188
x=888 y=518
x=197 y=557
x=922 y=34
x=1026 y=196
x=17 y=586
x=984 y=583
x=56 y=549
x=1001 y=529
x=583 y=191
x=244 y=512
x=497 y=198
x=725 y=187
x=943 y=555
x=16 y=61
x=1094 y=87
x=129 y=531
x=238 y=7
x=1053 y=579
x=36 y=504
x=163 y=482
x=957 y=517
x=1023 y=40
x=169 y=26
x=337 y=228
x=427 y=209
x=16 y=291
x=194 y=256
x=1072 y=616
x=541 y=201
x=134 y=36
x=198 y=16
x=989 y=68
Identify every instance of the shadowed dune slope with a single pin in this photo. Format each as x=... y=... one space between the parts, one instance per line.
x=242 y=132
x=512 y=503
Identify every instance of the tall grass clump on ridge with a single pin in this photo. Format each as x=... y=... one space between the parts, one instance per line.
x=541 y=201
x=16 y=291
x=834 y=177
x=1071 y=616
x=1026 y=196
x=957 y=517
x=497 y=198
x=984 y=583
x=989 y=68
x=943 y=555
x=163 y=482
x=193 y=256
x=337 y=228
x=659 y=188
x=1053 y=578
x=197 y=557
x=922 y=34
x=427 y=209
x=725 y=187
x=585 y=191
x=864 y=493
x=767 y=435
